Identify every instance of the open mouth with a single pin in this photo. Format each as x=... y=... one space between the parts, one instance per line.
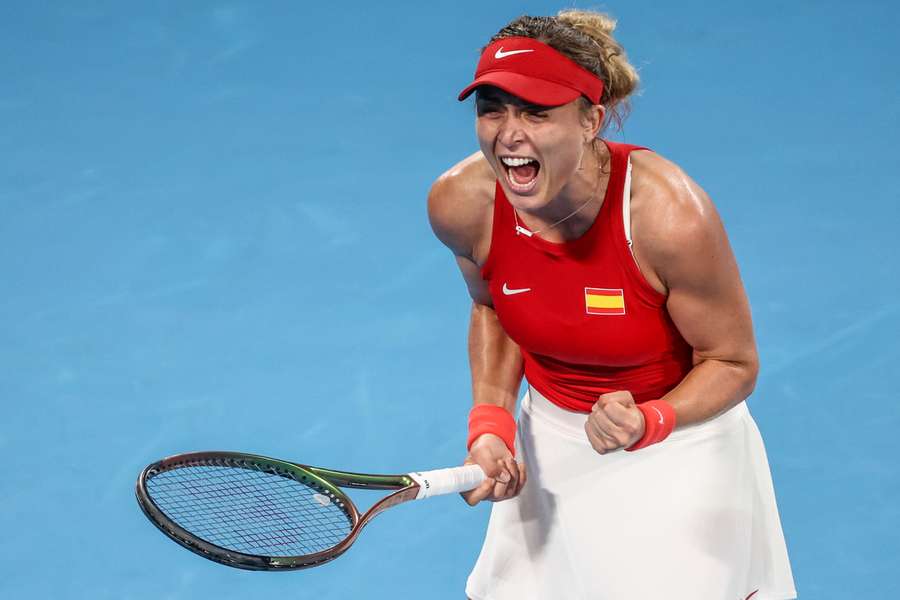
x=521 y=172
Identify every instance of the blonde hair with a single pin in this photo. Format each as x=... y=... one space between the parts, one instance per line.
x=585 y=37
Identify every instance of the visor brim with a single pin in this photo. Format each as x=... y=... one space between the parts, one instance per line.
x=530 y=89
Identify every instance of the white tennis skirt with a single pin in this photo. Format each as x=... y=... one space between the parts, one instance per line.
x=690 y=518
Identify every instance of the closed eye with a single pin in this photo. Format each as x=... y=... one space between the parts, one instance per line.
x=537 y=111
x=485 y=108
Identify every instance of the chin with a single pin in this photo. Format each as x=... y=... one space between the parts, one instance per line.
x=532 y=201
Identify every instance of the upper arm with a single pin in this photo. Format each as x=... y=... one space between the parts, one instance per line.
x=459 y=209
x=688 y=248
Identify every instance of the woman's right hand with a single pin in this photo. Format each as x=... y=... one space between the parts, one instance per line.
x=505 y=477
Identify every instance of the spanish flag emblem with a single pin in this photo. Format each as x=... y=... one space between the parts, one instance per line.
x=602 y=301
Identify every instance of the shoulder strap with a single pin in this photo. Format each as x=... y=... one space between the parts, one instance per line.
x=626 y=204
x=621 y=161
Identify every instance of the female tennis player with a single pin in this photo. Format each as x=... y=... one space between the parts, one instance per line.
x=602 y=273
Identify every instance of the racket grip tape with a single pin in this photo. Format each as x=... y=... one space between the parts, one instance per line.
x=447 y=481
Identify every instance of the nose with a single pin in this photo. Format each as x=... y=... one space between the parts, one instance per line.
x=510 y=132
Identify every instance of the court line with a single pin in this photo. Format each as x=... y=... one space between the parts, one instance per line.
x=829 y=341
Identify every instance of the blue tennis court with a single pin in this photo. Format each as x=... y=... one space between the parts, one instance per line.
x=213 y=236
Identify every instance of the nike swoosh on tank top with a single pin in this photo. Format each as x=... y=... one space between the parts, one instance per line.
x=590 y=322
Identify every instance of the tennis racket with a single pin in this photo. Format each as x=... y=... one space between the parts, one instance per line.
x=263 y=514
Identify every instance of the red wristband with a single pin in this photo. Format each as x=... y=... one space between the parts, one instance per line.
x=490 y=418
x=659 y=421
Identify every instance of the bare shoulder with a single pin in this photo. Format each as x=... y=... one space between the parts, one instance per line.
x=460 y=205
x=671 y=213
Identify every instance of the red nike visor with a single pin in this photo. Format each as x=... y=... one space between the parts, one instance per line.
x=534 y=72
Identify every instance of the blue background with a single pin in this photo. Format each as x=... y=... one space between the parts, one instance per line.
x=213 y=235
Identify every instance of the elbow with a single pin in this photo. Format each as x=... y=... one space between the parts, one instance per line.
x=750 y=374
x=742 y=373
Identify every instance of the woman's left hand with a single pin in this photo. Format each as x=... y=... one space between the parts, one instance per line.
x=615 y=422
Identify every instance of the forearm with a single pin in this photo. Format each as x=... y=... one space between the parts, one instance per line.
x=494 y=359
x=711 y=388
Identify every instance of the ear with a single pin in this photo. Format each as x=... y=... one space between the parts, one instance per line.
x=594 y=121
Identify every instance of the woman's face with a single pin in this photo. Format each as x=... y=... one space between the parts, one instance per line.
x=534 y=150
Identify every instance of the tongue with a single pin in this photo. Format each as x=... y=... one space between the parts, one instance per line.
x=523 y=174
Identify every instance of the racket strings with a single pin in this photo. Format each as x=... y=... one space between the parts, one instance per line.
x=250 y=511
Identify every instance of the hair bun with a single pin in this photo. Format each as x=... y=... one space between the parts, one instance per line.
x=621 y=77
x=597 y=25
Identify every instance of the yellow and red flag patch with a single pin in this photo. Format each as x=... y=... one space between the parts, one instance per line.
x=602 y=301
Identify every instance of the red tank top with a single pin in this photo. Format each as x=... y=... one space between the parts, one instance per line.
x=586 y=320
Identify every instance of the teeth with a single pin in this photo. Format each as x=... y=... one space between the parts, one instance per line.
x=509 y=161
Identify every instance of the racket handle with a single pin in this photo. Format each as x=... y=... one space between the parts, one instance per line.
x=447 y=481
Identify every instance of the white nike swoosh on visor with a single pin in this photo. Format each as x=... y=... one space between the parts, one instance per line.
x=510 y=292
x=659 y=413
x=501 y=54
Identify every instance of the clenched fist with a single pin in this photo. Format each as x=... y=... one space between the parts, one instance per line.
x=505 y=476
x=615 y=422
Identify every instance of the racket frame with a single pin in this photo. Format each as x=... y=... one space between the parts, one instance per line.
x=327 y=480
